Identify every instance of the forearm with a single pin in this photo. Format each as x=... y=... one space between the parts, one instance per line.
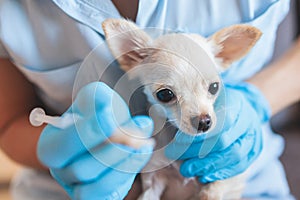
x=19 y=141
x=280 y=82
x=18 y=138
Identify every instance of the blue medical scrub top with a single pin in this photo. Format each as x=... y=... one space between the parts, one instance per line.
x=48 y=40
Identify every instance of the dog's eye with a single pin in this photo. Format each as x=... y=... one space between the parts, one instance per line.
x=213 y=88
x=165 y=95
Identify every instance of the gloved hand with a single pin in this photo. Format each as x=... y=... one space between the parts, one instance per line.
x=233 y=145
x=82 y=159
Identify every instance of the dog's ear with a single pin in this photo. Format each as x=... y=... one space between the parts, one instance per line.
x=234 y=42
x=128 y=43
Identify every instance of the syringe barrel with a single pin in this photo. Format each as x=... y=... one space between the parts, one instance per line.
x=61 y=122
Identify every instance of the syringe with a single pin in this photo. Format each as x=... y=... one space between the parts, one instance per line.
x=124 y=136
x=38 y=117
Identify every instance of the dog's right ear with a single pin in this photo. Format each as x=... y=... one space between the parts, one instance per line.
x=128 y=43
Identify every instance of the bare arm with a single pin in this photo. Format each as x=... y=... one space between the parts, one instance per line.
x=18 y=138
x=280 y=82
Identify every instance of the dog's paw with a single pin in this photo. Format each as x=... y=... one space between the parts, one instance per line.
x=210 y=192
x=208 y=195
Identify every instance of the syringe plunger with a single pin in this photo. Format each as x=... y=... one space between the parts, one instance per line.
x=38 y=116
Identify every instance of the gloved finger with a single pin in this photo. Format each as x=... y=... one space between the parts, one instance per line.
x=218 y=160
x=145 y=124
x=100 y=100
x=139 y=127
x=92 y=164
x=185 y=146
x=227 y=172
x=91 y=135
x=67 y=188
x=115 y=182
x=238 y=127
x=113 y=185
x=56 y=147
x=133 y=134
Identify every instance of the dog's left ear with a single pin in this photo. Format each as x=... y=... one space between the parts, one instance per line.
x=128 y=43
x=234 y=42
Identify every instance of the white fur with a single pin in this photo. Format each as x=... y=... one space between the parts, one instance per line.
x=186 y=64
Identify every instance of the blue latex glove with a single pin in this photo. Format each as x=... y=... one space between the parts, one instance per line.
x=81 y=159
x=233 y=145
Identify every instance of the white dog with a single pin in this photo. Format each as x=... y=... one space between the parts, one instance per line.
x=180 y=72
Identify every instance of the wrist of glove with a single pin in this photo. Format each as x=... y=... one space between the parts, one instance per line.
x=233 y=145
x=82 y=158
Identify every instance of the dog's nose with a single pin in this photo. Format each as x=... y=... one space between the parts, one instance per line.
x=202 y=123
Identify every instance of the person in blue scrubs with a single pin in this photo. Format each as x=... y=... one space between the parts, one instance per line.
x=43 y=44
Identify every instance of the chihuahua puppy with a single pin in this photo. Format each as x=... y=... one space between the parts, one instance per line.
x=181 y=73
